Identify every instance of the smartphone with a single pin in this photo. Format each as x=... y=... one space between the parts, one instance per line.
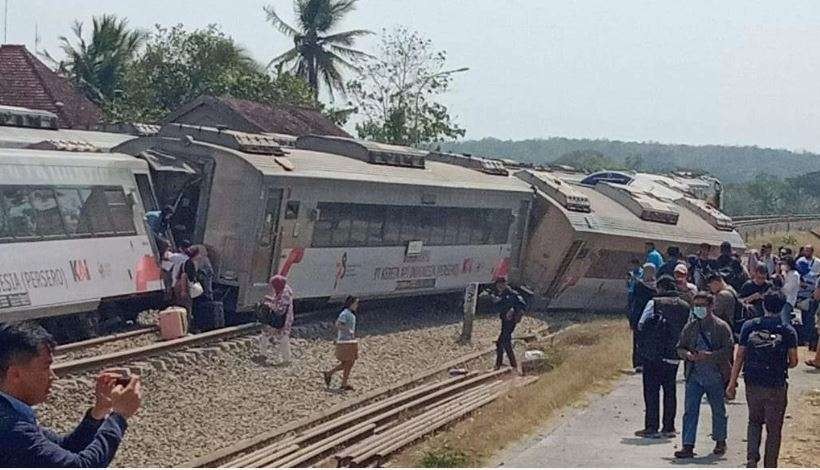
x=124 y=379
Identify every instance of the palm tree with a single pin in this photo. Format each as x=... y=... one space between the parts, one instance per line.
x=98 y=66
x=317 y=53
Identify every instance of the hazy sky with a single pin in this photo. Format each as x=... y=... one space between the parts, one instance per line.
x=723 y=71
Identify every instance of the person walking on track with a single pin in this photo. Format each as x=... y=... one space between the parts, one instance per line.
x=346 y=348
x=278 y=305
x=510 y=307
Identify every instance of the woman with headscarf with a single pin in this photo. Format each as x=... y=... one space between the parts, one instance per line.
x=277 y=331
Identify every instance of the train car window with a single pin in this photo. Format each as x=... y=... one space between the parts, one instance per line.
x=292 y=210
x=20 y=213
x=465 y=227
x=4 y=231
x=500 y=226
x=411 y=225
x=452 y=220
x=95 y=211
x=375 y=226
x=340 y=230
x=321 y=231
x=438 y=227
x=392 y=226
x=358 y=226
x=71 y=205
x=122 y=217
x=47 y=217
x=146 y=195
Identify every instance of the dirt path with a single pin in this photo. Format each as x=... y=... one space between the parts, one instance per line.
x=601 y=434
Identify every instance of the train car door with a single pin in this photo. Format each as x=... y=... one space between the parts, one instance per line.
x=266 y=242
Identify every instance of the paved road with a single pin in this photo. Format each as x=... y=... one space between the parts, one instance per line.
x=601 y=434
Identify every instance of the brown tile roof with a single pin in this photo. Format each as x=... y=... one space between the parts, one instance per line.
x=251 y=116
x=27 y=82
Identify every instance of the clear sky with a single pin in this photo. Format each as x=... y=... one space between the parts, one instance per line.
x=722 y=71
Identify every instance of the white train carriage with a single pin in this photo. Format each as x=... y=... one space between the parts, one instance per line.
x=72 y=234
x=337 y=216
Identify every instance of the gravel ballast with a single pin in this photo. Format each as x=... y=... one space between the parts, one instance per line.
x=201 y=400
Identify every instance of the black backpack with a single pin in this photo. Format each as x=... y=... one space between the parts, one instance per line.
x=656 y=340
x=766 y=352
x=267 y=316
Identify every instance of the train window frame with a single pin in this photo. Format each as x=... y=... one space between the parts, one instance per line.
x=352 y=225
x=292 y=210
x=85 y=227
x=37 y=217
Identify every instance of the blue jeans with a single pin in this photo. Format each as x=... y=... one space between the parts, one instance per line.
x=715 y=393
x=786 y=314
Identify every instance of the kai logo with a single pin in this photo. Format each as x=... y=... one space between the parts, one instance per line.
x=79 y=268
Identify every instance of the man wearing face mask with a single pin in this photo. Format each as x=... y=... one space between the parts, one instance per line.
x=706 y=347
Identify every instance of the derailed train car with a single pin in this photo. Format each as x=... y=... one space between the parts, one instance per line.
x=338 y=216
x=584 y=230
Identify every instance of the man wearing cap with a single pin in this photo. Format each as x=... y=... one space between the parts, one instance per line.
x=686 y=289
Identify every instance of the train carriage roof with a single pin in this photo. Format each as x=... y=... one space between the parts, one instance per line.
x=65 y=158
x=608 y=216
x=312 y=164
x=21 y=137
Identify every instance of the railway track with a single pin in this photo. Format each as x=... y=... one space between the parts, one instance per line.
x=366 y=431
x=93 y=362
x=89 y=343
x=129 y=355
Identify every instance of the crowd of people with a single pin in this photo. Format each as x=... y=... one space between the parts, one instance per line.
x=721 y=316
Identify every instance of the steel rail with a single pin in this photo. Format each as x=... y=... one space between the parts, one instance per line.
x=129 y=355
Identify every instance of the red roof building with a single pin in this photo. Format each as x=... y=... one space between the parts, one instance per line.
x=253 y=117
x=27 y=82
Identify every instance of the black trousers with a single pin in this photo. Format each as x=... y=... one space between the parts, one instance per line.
x=636 y=358
x=504 y=344
x=655 y=377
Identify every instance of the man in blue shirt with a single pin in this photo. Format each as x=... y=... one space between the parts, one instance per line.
x=159 y=221
x=653 y=256
x=766 y=350
x=25 y=380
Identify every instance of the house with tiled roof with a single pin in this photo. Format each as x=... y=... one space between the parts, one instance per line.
x=25 y=81
x=254 y=117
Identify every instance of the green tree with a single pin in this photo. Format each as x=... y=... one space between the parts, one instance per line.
x=318 y=54
x=177 y=66
x=98 y=66
x=395 y=92
x=588 y=160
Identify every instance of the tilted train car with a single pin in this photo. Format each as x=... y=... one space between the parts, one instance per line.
x=337 y=216
x=72 y=236
x=586 y=228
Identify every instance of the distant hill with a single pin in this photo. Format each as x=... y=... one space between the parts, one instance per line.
x=732 y=164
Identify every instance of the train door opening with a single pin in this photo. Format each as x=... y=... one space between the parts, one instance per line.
x=263 y=260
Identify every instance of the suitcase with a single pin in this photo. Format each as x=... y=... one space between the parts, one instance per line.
x=210 y=316
x=173 y=323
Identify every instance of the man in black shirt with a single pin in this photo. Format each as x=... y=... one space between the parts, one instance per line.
x=766 y=350
x=753 y=290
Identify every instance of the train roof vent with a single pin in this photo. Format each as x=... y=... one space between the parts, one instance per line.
x=642 y=204
x=364 y=150
x=139 y=129
x=65 y=146
x=718 y=219
x=24 y=117
x=242 y=141
x=561 y=191
x=484 y=165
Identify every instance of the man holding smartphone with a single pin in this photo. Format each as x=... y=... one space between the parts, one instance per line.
x=706 y=346
x=25 y=381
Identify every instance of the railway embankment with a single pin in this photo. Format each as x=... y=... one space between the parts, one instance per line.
x=196 y=402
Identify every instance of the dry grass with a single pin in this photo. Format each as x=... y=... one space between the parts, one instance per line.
x=801 y=434
x=793 y=240
x=585 y=359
